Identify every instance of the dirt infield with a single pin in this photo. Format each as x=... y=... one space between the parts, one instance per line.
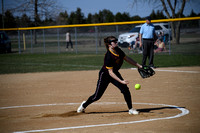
x=47 y=102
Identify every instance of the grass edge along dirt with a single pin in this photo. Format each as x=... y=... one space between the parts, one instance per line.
x=29 y=63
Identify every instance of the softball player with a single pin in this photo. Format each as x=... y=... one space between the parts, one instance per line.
x=113 y=60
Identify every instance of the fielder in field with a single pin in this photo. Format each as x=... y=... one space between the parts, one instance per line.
x=69 y=41
x=109 y=73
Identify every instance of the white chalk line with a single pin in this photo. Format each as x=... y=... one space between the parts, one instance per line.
x=162 y=70
x=183 y=112
x=40 y=105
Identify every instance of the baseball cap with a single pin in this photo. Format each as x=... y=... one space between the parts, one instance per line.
x=148 y=18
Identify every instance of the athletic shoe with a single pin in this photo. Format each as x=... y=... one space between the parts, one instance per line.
x=133 y=112
x=81 y=109
x=152 y=66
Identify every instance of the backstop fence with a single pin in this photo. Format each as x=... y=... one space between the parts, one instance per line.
x=88 y=38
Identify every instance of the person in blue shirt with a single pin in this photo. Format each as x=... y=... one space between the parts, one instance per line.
x=148 y=35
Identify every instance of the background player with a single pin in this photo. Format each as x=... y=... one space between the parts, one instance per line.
x=69 y=41
x=109 y=73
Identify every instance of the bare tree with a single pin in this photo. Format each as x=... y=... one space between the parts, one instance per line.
x=173 y=9
x=36 y=9
x=175 y=26
x=43 y=8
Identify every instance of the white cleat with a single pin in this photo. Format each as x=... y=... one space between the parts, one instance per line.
x=81 y=109
x=133 y=112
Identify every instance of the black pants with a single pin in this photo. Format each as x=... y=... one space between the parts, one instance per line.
x=148 y=51
x=102 y=84
x=69 y=43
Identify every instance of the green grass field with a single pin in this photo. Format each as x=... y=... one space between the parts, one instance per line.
x=185 y=54
x=25 y=63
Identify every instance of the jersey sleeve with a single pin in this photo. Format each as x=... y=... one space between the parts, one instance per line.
x=142 y=29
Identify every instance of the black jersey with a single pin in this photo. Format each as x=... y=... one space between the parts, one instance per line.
x=112 y=60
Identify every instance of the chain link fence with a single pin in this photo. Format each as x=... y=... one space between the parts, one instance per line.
x=90 y=39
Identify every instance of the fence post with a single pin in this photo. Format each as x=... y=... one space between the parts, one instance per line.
x=75 y=30
x=31 y=41
x=169 y=38
x=24 y=41
x=96 y=38
x=19 y=42
x=117 y=31
x=58 y=37
x=44 y=42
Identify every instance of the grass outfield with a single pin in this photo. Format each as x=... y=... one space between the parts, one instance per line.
x=25 y=63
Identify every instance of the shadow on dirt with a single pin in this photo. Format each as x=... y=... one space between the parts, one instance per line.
x=146 y=110
x=74 y=113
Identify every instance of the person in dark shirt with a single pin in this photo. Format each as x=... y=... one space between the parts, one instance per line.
x=109 y=73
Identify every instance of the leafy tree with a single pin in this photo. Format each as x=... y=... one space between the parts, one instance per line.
x=48 y=21
x=135 y=18
x=118 y=17
x=157 y=15
x=76 y=17
x=153 y=15
x=71 y=19
x=89 y=18
x=9 y=20
x=79 y=16
x=62 y=18
x=107 y=16
x=193 y=14
x=25 y=21
x=126 y=16
x=95 y=18
x=160 y=15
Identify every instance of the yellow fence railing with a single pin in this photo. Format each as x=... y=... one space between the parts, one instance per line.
x=103 y=24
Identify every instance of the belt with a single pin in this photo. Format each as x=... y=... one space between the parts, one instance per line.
x=150 y=39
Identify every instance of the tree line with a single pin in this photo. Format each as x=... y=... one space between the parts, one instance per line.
x=76 y=17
